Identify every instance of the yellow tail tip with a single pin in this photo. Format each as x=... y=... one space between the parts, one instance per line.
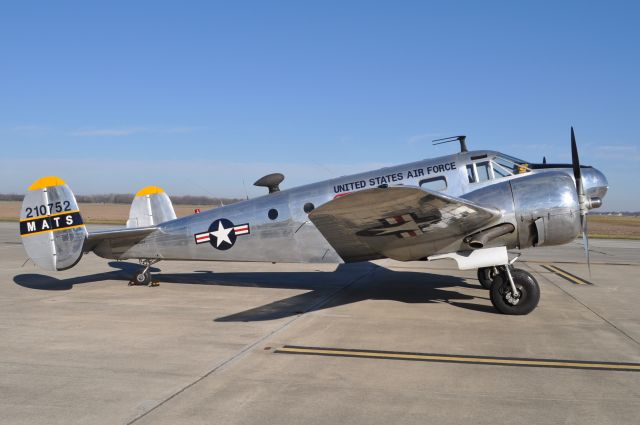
x=47 y=181
x=149 y=190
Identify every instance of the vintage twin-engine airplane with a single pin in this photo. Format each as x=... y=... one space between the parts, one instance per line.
x=470 y=207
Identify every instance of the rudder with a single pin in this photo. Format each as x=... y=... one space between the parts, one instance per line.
x=51 y=227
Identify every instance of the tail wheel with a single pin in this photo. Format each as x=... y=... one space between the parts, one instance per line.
x=143 y=277
x=506 y=302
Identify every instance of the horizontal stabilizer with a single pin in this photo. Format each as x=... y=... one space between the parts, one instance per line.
x=112 y=243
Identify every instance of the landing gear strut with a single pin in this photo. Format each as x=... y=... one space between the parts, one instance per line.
x=143 y=275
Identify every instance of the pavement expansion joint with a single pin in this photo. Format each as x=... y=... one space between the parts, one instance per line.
x=251 y=346
x=602 y=317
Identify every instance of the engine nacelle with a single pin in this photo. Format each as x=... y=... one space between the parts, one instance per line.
x=546 y=208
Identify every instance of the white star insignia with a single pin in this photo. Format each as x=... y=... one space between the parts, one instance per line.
x=222 y=234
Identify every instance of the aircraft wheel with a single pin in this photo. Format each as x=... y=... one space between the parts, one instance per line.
x=142 y=278
x=524 y=272
x=502 y=297
x=486 y=276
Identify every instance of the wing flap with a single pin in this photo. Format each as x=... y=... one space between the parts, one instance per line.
x=401 y=222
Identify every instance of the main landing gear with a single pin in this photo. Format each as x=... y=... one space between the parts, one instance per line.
x=512 y=291
x=143 y=275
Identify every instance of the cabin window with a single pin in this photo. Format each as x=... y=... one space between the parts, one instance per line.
x=308 y=207
x=273 y=213
x=437 y=184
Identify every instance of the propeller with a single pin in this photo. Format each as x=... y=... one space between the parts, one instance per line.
x=582 y=198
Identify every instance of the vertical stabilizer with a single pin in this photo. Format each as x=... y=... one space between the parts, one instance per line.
x=51 y=227
x=151 y=206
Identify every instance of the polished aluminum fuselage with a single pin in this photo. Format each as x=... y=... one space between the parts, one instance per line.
x=536 y=201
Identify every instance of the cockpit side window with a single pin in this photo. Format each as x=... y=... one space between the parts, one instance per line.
x=484 y=173
x=471 y=174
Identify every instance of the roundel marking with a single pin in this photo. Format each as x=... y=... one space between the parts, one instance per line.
x=222 y=234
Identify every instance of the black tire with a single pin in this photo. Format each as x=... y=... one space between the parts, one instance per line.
x=485 y=277
x=524 y=272
x=142 y=278
x=526 y=285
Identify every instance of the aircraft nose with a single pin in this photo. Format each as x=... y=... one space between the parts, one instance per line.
x=595 y=183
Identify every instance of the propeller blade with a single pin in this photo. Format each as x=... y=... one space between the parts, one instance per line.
x=575 y=161
x=585 y=241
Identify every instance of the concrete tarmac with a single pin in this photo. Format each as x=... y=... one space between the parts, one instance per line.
x=82 y=347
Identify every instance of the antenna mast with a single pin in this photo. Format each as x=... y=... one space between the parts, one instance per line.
x=462 y=139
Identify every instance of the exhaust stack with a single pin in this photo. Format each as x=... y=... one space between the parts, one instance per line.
x=479 y=240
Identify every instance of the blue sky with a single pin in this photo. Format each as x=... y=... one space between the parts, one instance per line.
x=198 y=97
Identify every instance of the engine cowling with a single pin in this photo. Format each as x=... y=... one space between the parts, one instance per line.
x=546 y=209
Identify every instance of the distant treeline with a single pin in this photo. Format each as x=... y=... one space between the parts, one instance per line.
x=618 y=213
x=127 y=198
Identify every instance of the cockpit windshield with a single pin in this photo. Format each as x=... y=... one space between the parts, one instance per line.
x=484 y=167
x=505 y=165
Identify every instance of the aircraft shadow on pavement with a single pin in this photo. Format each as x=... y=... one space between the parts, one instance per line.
x=370 y=282
x=123 y=271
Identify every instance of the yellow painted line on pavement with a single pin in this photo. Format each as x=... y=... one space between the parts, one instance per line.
x=451 y=358
x=566 y=275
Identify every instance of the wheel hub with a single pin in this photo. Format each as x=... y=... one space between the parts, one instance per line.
x=510 y=298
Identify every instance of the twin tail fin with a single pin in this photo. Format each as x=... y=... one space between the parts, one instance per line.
x=53 y=232
x=151 y=206
x=51 y=227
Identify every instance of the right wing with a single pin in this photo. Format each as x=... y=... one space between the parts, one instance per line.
x=400 y=222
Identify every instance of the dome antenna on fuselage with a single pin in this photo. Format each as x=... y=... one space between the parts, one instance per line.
x=271 y=182
x=462 y=139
